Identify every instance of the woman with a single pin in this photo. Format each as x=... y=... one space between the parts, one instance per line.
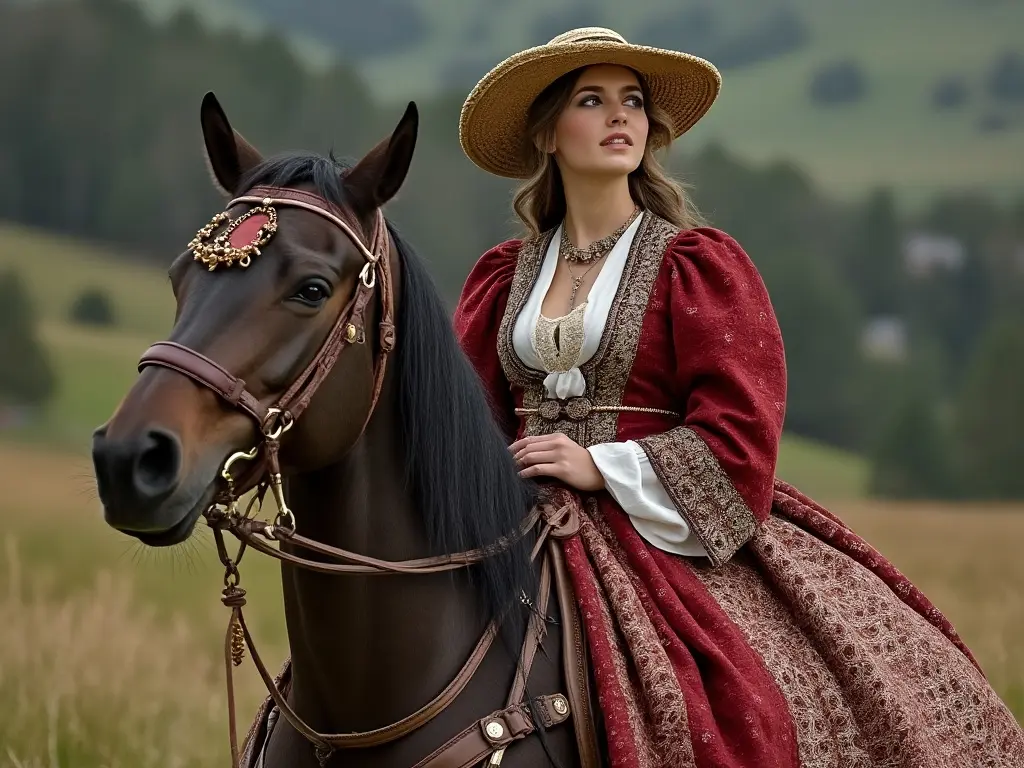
x=633 y=357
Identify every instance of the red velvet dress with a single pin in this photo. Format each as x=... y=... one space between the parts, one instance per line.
x=794 y=643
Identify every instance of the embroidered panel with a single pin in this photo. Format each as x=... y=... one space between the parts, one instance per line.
x=607 y=372
x=701 y=491
x=917 y=700
x=661 y=715
x=826 y=730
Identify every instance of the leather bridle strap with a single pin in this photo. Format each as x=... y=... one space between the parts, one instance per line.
x=205 y=371
x=350 y=326
x=554 y=523
x=253 y=532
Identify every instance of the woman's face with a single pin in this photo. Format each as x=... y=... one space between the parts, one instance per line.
x=603 y=128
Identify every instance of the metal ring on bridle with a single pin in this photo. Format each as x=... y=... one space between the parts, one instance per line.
x=369 y=268
x=274 y=428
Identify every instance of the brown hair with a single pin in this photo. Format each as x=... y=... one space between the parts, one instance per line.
x=540 y=201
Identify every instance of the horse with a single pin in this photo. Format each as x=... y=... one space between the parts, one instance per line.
x=396 y=456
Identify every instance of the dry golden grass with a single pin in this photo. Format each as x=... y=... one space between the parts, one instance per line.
x=93 y=679
x=111 y=656
x=113 y=661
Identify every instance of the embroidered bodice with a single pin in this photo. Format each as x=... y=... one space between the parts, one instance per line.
x=560 y=346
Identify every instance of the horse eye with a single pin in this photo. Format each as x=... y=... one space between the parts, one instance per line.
x=314 y=292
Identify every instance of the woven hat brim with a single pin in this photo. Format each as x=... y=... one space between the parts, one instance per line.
x=492 y=126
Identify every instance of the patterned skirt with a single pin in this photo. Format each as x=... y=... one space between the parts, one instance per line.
x=807 y=648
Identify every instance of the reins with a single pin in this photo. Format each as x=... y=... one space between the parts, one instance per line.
x=492 y=734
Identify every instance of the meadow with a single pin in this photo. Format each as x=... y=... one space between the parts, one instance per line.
x=112 y=652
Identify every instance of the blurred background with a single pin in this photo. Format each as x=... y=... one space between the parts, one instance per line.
x=869 y=156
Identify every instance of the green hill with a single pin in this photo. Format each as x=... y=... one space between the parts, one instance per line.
x=96 y=367
x=891 y=136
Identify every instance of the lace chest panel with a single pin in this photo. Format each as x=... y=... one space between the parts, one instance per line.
x=559 y=341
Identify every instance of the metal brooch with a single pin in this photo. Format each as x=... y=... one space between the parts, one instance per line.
x=220 y=251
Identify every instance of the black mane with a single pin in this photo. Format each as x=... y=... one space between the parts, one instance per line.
x=458 y=465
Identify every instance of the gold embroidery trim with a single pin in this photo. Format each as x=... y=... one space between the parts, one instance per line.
x=701 y=491
x=570 y=409
x=607 y=372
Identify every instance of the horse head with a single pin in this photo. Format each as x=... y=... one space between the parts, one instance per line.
x=259 y=295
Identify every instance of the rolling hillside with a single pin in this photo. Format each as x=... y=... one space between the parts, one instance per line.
x=96 y=366
x=414 y=49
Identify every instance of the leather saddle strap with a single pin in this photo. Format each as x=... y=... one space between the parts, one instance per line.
x=574 y=661
x=475 y=743
x=205 y=371
x=331 y=741
x=535 y=631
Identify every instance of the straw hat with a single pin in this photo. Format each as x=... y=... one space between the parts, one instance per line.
x=492 y=127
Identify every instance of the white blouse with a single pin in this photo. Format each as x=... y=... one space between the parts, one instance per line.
x=628 y=474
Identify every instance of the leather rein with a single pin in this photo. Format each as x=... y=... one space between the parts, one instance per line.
x=489 y=736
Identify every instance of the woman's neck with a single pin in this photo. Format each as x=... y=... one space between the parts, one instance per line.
x=595 y=208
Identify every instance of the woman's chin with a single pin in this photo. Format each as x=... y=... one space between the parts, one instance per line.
x=613 y=165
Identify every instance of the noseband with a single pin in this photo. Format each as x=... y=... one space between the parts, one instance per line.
x=237 y=244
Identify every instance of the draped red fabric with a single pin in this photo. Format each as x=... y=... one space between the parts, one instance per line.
x=672 y=670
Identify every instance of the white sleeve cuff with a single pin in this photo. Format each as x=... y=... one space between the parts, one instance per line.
x=632 y=481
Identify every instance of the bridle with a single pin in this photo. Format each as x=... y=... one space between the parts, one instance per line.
x=485 y=738
x=274 y=420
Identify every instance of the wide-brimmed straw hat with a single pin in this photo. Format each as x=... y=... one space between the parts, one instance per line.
x=492 y=127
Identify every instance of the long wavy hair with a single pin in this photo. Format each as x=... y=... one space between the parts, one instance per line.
x=540 y=201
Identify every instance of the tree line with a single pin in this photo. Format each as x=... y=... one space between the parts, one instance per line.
x=102 y=140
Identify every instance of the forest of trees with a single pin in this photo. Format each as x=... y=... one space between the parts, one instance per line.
x=101 y=139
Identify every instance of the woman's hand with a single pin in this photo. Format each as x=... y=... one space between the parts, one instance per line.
x=557 y=456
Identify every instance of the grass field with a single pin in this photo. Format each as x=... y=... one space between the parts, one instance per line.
x=111 y=653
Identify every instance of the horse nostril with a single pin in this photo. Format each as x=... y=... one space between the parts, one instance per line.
x=157 y=463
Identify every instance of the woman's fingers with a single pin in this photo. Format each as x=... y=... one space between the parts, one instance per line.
x=538 y=456
x=546 y=470
x=534 y=447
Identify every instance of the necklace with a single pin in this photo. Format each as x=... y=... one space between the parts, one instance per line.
x=597 y=248
x=592 y=254
x=578 y=281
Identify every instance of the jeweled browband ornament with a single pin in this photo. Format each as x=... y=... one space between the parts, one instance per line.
x=240 y=241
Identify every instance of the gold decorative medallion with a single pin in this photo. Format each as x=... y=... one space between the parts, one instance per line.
x=239 y=242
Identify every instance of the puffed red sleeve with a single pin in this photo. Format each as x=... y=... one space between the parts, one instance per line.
x=718 y=467
x=477 y=319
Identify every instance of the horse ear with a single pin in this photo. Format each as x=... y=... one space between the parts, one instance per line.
x=228 y=155
x=378 y=176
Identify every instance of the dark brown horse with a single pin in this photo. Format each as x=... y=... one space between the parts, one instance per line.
x=429 y=473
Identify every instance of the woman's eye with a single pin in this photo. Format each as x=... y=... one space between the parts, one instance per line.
x=635 y=101
x=314 y=292
x=589 y=101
